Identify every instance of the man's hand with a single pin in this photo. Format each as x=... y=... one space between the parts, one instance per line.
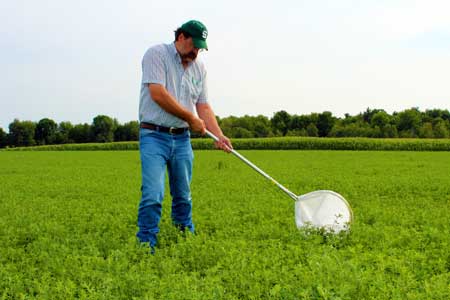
x=224 y=143
x=167 y=102
x=197 y=125
x=206 y=113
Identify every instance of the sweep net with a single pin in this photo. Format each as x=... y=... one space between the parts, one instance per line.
x=323 y=209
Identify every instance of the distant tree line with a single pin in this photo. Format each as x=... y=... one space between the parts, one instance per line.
x=47 y=132
x=374 y=123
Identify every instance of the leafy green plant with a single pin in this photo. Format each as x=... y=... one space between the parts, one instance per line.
x=68 y=224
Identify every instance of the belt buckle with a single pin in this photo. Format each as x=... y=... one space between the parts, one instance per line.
x=172 y=130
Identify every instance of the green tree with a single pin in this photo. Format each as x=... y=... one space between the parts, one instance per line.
x=262 y=126
x=369 y=113
x=281 y=122
x=432 y=114
x=375 y=132
x=45 y=132
x=409 y=122
x=239 y=132
x=127 y=132
x=132 y=129
x=337 y=130
x=103 y=129
x=324 y=123
x=244 y=122
x=81 y=133
x=389 y=131
x=300 y=122
x=21 y=133
x=426 y=131
x=312 y=130
x=297 y=132
x=228 y=124
x=380 y=119
x=348 y=119
x=357 y=129
x=63 y=133
x=440 y=130
x=3 y=138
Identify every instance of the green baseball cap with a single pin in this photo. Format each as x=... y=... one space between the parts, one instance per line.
x=198 y=32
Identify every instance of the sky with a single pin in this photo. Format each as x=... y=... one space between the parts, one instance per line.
x=73 y=60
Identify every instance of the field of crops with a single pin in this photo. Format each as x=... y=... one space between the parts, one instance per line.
x=68 y=220
x=276 y=143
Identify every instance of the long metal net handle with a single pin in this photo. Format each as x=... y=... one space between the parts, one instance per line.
x=288 y=192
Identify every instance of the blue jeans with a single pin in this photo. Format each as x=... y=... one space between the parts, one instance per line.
x=160 y=151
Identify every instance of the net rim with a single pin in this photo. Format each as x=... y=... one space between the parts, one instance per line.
x=299 y=198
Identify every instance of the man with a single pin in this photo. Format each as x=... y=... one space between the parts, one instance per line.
x=173 y=87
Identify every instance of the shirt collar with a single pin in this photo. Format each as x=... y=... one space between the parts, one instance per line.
x=174 y=51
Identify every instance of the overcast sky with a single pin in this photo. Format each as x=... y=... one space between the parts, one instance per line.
x=73 y=60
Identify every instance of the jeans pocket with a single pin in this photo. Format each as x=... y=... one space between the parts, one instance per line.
x=145 y=133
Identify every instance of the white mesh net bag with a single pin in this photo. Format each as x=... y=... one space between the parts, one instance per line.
x=323 y=209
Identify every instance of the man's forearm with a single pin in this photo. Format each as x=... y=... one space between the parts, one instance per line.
x=206 y=113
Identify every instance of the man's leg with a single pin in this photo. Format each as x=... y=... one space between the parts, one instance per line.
x=180 y=174
x=153 y=163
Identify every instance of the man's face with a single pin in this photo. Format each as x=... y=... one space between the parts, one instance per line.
x=188 y=52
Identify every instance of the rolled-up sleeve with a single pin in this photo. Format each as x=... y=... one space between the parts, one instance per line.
x=153 y=67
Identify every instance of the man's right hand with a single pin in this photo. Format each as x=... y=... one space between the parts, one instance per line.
x=197 y=125
x=167 y=102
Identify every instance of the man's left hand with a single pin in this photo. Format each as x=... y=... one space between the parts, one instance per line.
x=224 y=143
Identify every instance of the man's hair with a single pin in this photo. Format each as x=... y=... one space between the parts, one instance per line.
x=181 y=31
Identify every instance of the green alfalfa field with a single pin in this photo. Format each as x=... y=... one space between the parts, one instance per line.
x=68 y=224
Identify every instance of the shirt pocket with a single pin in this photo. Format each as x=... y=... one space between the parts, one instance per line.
x=195 y=89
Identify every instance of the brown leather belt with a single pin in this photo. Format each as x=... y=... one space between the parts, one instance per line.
x=171 y=130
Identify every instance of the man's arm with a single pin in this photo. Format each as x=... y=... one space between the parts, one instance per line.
x=167 y=102
x=206 y=113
